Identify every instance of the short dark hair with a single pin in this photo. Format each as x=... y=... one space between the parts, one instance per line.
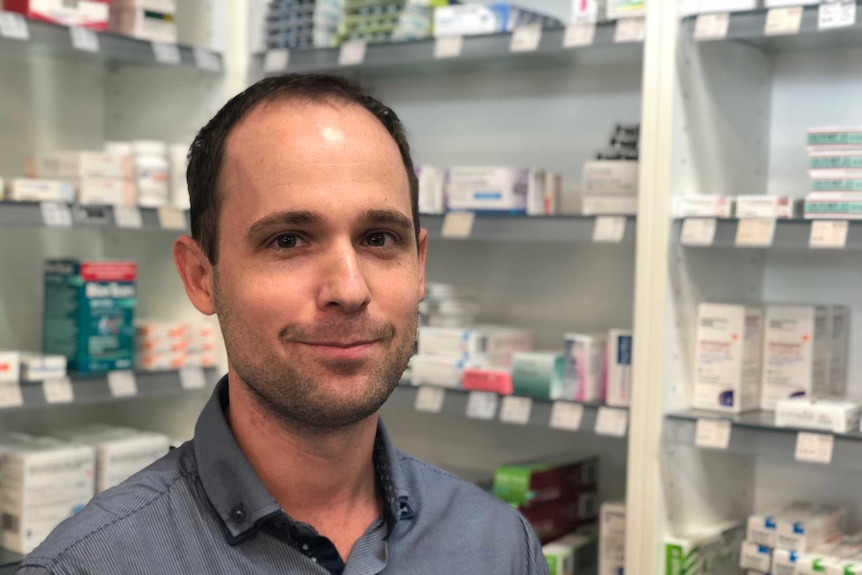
x=207 y=150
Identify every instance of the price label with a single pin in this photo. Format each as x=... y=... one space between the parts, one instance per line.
x=84 y=39
x=711 y=26
x=14 y=26
x=192 y=378
x=526 y=38
x=172 y=218
x=630 y=30
x=128 y=217
x=579 y=35
x=609 y=229
x=516 y=410
x=757 y=233
x=713 y=433
x=698 y=231
x=352 y=53
x=814 y=447
x=828 y=234
x=207 y=60
x=783 y=21
x=458 y=225
x=10 y=394
x=122 y=383
x=836 y=14
x=567 y=416
x=90 y=215
x=430 y=399
x=448 y=47
x=166 y=53
x=612 y=422
x=58 y=390
x=482 y=405
x=276 y=61
x=56 y=214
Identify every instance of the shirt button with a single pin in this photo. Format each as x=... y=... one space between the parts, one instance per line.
x=305 y=547
x=238 y=514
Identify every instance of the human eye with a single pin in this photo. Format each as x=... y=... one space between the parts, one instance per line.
x=381 y=239
x=287 y=241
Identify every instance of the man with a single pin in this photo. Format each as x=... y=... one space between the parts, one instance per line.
x=306 y=243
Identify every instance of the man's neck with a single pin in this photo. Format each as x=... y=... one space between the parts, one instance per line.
x=325 y=479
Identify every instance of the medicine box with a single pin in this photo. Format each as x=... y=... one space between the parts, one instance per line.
x=610 y=178
x=554 y=519
x=795 y=353
x=31 y=190
x=728 y=352
x=584 y=367
x=201 y=359
x=755 y=556
x=609 y=206
x=706 y=6
x=834 y=138
x=839 y=349
x=542 y=481
x=762 y=529
x=771 y=207
x=91 y=14
x=712 y=550
x=38 y=367
x=619 y=368
x=473 y=19
x=89 y=313
x=160 y=361
x=570 y=554
x=848 y=185
x=817 y=562
x=820 y=208
x=803 y=534
x=705 y=207
x=490 y=188
x=106 y=192
x=835 y=164
x=536 y=199
x=432 y=189
x=161 y=6
x=10 y=366
x=490 y=378
x=625 y=9
x=80 y=165
x=833 y=415
x=537 y=374
x=144 y=24
x=441 y=371
x=612 y=538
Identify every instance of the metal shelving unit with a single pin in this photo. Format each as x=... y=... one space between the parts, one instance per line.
x=28 y=214
x=789 y=235
x=554 y=229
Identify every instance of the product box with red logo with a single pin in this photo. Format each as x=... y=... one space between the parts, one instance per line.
x=10 y=366
x=89 y=313
x=93 y=14
x=532 y=483
x=553 y=519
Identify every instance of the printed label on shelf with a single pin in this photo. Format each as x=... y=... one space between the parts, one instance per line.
x=192 y=378
x=630 y=30
x=276 y=60
x=10 y=394
x=698 y=231
x=753 y=232
x=567 y=416
x=352 y=53
x=782 y=21
x=516 y=410
x=58 y=390
x=711 y=26
x=448 y=47
x=166 y=53
x=458 y=225
x=207 y=60
x=14 y=26
x=609 y=229
x=430 y=399
x=713 y=433
x=836 y=14
x=482 y=405
x=526 y=38
x=128 y=217
x=56 y=214
x=578 y=35
x=829 y=234
x=84 y=39
x=611 y=421
x=122 y=383
x=172 y=218
x=814 y=447
x=90 y=215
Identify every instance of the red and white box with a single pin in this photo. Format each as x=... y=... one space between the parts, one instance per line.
x=93 y=14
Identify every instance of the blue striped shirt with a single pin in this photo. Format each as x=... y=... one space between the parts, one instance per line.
x=202 y=509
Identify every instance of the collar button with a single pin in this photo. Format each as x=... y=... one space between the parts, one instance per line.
x=238 y=514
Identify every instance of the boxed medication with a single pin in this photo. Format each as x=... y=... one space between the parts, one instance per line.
x=625 y=9
x=144 y=24
x=756 y=557
x=476 y=19
x=570 y=554
x=537 y=374
x=178 y=156
x=834 y=138
x=162 y=6
x=610 y=178
x=705 y=207
x=89 y=313
x=834 y=415
x=849 y=185
x=38 y=367
x=772 y=207
x=584 y=367
x=795 y=353
x=820 y=208
x=838 y=165
x=619 y=368
x=442 y=371
x=712 y=550
x=612 y=538
x=803 y=534
x=555 y=519
x=80 y=165
x=42 y=482
x=537 y=202
x=762 y=529
x=157 y=330
x=106 y=192
x=706 y=6
x=609 y=206
x=828 y=555
x=490 y=188
x=91 y=14
x=839 y=349
x=160 y=361
x=462 y=343
x=10 y=366
x=728 y=353
x=29 y=190
x=490 y=378
x=432 y=189
x=529 y=483
x=153 y=181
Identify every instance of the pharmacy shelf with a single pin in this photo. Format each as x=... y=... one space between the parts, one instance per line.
x=455 y=405
x=552 y=229
x=95 y=389
x=476 y=50
x=789 y=235
x=51 y=39
x=28 y=214
x=749 y=27
x=755 y=434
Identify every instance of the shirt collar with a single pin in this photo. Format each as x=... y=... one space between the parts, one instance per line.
x=240 y=497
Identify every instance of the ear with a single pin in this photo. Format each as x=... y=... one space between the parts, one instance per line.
x=423 y=249
x=196 y=272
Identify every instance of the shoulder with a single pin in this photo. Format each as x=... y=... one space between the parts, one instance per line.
x=114 y=515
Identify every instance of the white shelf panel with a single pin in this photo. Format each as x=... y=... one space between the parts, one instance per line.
x=789 y=235
x=27 y=214
x=553 y=229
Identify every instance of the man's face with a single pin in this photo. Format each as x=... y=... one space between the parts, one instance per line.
x=319 y=277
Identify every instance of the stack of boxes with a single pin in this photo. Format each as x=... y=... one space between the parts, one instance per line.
x=152 y=172
x=446 y=305
x=26 y=366
x=706 y=550
x=302 y=24
x=93 y=14
x=573 y=554
x=835 y=168
x=371 y=22
x=153 y=20
x=556 y=497
x=470 y=19
x=86 y=177
x=161 y=345
x=610 y=182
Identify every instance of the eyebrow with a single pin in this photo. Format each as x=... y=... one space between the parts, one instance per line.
x=297 y=218
x=389 y=217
